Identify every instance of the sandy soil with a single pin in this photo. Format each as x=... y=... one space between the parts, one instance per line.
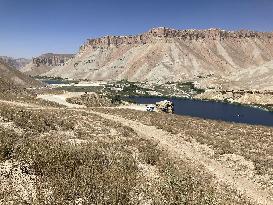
x=139 y=107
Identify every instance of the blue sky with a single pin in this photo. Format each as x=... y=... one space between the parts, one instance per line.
x=32 y=27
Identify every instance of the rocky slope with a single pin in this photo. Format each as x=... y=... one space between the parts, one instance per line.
x=15 y=62
x=45 y=63
x=163 y=54
x=11 y=77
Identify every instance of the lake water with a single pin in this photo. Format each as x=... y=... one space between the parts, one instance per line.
x=215 y=110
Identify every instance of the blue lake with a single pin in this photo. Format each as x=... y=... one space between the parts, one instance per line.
x=214 y=110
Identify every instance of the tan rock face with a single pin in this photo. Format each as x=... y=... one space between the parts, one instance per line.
x=163 y=54
x=45 y=63
x=51 y=59
x=167 y=34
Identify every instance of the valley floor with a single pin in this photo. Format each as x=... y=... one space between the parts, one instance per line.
x=75 y=155
x=207 y=88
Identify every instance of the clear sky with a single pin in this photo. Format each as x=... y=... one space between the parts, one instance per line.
x=32 y=27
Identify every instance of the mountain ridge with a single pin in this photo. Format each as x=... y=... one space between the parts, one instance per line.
x=163 y=54
x=15 y=62
x=169 y=33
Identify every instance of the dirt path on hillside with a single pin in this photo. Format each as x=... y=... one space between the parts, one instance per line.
x=61 y=99
x=179 y=148
x=20 y=104
x=192 y=152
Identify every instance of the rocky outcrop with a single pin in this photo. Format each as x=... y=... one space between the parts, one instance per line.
x=45 y=63
x=51 y=59
x=168 y=35
x=165 y=106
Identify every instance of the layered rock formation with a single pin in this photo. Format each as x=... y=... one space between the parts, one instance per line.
x=45 y=63
x=51 y=59
x=168 y=35
x=163 y=54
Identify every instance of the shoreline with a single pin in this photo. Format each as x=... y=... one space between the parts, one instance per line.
x=256 y=106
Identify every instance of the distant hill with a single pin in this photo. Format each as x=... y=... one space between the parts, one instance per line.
x=15 y=62
x=45 y=62
x=10 y=77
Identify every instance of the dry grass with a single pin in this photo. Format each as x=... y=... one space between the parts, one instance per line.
x=80 y=157
x=91 y=100
x=254 y=143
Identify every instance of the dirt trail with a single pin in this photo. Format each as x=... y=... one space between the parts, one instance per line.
x=61 y=99
x=182 y=149
x=20 y=104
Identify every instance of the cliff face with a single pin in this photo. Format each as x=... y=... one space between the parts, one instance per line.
x=51 y=59
x=163 y=54
x=45 y=63
x=168 y=35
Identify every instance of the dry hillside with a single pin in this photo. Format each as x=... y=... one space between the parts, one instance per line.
x=12 y=76
x=163 y=54
x=52 y=155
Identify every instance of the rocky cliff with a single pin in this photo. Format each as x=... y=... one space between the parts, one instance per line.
x=163 y=54
x=51 y=59
x=45 y=63
x=168 y=35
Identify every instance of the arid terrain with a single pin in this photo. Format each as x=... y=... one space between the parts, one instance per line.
x=214 y=60
x=55 y=152
x=12 y=76
x=78 y=142
x=136 y=102
x=163 y=54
